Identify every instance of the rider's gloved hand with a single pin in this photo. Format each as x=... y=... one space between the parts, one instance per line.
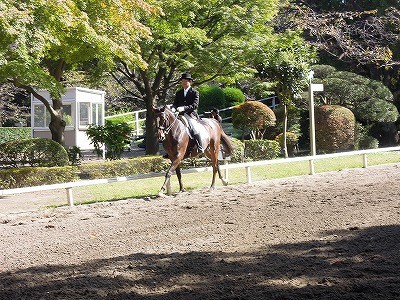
x=173 y=109
x=180 y=109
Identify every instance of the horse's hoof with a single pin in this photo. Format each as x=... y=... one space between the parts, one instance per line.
x=224 y=182
x=161 y=195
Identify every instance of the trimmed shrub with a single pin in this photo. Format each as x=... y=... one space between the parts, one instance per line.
x=210 y=96
x=35 y=152
x=323 y=71
x=125 y=167
x=253 y=116
x=233 y=96
x=376 y=110
x=334 y=128
x=261 y=149
x=28 y=176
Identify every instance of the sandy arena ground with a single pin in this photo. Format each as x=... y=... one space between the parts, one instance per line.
x=329 y=236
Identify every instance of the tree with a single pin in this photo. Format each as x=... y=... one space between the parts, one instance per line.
x=285 y=62
x=358 y=36
x=40 y=40
x=208 y=38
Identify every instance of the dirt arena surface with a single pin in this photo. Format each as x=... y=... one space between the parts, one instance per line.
x=334 y=235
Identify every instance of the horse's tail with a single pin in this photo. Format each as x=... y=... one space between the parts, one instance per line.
x=226 y=143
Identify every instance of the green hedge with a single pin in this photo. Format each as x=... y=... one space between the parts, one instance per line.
x=14 y=133
x=34 y=176
x=125 y=167
x=261 y=149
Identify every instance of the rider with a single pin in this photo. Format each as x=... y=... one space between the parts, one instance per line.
x=186 y=103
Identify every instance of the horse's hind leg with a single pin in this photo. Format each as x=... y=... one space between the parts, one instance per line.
x=179 y=175
x=214 y=159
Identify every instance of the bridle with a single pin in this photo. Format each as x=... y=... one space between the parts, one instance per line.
x=163 y=131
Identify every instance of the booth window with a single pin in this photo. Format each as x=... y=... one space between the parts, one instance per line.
x=42 y=117
x=90 y=113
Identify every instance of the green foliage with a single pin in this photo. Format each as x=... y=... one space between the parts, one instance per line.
x=35 y=176
x=210 y=96
x=123 y=167
x=238 y=150
x=291 y=138
x=233 y=96
x=362 y=139
x=293 y=118
x=334 y=128
x=261 y=149
x=323 y=71
x=376 y=110
x=33 y=152
x=114 y=136
x=254 y=116
x=14 y=133
x=74 y=155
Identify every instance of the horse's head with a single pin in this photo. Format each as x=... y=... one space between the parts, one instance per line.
x=162 y=120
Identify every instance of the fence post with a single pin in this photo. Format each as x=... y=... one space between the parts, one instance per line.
x=312 y=171
x=248 y=174
x=70 y=197
x=226 y=170
x=365 y=160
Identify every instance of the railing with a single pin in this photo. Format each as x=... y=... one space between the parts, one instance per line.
x=69 y=185
x=138 y=131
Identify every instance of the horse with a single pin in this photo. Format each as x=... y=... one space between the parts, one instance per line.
x=178 y=144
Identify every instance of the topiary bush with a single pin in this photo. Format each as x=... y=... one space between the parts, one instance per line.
x=210 y=96
x=334 y=128
x=233 y=96
x=35 y=152
x=261 y=149
x=253 y=116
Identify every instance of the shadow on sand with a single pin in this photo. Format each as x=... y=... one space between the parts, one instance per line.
x=348 y=264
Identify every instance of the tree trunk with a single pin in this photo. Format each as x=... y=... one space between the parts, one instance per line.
x=152 y=144
x=57 y=124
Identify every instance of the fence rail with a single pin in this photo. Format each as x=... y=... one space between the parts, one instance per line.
x=247 y=165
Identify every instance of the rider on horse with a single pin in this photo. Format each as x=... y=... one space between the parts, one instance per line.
x=186 y=103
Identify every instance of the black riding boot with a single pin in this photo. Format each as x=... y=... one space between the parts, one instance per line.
x=198 y=141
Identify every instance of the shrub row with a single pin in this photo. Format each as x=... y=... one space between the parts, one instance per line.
x=33 y=176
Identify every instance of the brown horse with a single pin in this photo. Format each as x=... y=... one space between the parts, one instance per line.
x=179 y=145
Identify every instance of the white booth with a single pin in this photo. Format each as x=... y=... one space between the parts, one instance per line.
x=81 y=108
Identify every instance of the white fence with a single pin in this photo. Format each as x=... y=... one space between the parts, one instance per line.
x=69 y=185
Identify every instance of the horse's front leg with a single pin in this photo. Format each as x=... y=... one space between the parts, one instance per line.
x=171 y=169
